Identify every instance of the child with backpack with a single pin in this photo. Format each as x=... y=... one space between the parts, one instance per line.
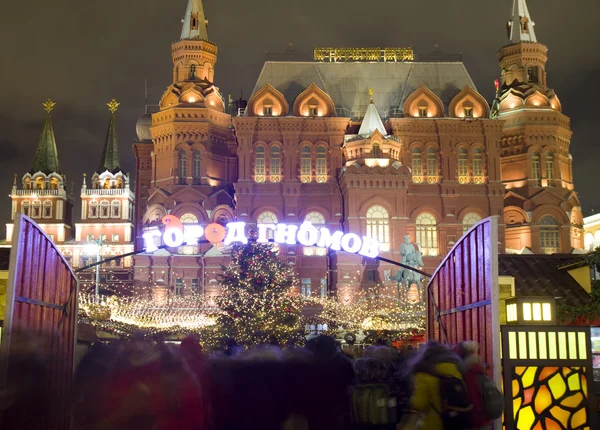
x=440 y=393
x=488 y=401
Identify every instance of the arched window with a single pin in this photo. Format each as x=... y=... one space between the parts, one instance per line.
x=188 y=218
x=39 y=183
x=104 y=209
x=268 y=218
x=427 y=234
x=25 y=207
x=259 y=164
x=275 y=169
x=549 y=235
x=192 y=71
x=321 y=164
x=535 y=168
x=432 y=171
x=417 y=166
x=597 y=239
x=182 y=167
x=549 y=158
x=317 y=220
x=375 y=151
x=93 y=209
x=477 y=166
x=305 y=165
x=54 y=184
x=469 y=220
x=532 y=74
x=197 y=169
x=463 y=169
x=36 y=211
x=47 y=209
x=107 y=184
x=115 y=209
x=589 y=242
x=378 y=226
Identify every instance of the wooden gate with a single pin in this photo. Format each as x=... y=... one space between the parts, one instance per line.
x=463 y=294
x=41 y=301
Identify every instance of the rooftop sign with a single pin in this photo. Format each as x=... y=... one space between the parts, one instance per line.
x=177 y=234
x=334 y=55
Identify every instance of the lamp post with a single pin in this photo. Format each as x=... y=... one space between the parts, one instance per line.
x=95 y=245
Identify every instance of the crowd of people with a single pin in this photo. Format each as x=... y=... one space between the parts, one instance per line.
x=142 y=384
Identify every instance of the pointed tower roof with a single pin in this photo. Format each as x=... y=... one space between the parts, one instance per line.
x=372 y=120
x=110 y=155
x=195 y=25
x=46 y=155
x=520 y=24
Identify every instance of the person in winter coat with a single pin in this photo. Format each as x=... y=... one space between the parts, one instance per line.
x=432 y=359
x=472 y=369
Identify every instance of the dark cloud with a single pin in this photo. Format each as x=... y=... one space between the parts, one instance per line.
x=82 y=54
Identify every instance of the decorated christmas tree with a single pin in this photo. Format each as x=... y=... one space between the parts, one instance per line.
x=257 y=302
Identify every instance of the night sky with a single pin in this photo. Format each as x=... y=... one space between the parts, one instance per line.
x=83 y=53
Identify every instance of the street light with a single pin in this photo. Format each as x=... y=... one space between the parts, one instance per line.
x=95 y=246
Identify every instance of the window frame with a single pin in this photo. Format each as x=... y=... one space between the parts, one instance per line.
x=260 y=164
x=305 y=164
x=275 y=164
x=427 y=235
x=378 y=227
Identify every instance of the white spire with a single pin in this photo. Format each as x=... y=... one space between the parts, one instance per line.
x=371 y=122
x=195 y=25
x=520 y=24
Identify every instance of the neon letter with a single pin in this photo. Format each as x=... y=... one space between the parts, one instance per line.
x=235 y=233
x=283 y=231
x=173 y=237
x=191 y=234
x=370 y=247
x=262 y=232
x=326 y=240
x=149 y=240
x=356 y=243
x=308 y=234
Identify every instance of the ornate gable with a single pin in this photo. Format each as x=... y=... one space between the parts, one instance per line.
x=469 y=103
x=313 y=101
x=423 y=102
x=267 y=101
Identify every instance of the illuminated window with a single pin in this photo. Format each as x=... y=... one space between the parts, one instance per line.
x=275 y=161
x=535 y=168
x=427 y=234
x=54 y=184
x=104 y=209
x=470 y=220
x=182 y=167
x=549 y=235
x=179 y=287
x=115 y=237
x=197 y=167
x=39 y=183
x=589 y=242
x=549 y=158
x=47 y=209
x=313 y=111
x=188 y=218
x=115 y=209
x=417 y=166
x=463 y=169
x=306 y=287
x=321 y=164
x=305 y=165
x=323 y=288
x=25 y=207
x=93 y=209
x=477 y=166
x=423 y=111
x=268 y=218
x=267 y=110
x=259 y=164
x=468 y=110
x=317 y=220
x=432 y=171
x=36 y=209
x=378 y=226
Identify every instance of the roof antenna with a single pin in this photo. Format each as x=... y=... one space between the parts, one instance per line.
x=146 y=96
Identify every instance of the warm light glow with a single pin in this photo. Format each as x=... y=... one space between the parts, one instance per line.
x=381 y=162
x=572 y=336
x=552 y=346
x=582 y=339
x=562 y=346
x=192 y=99
x=523 y=345
x=512 y=345
x=532 y=345
x=542 y=342
x=537 y=312
x=511 y=312
x=527 y=311
x=546 y=311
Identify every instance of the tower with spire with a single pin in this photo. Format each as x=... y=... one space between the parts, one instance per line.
x=42 y=193
x=107 y=203
x=536 y=165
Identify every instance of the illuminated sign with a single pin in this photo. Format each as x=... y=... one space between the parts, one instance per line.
x=364 y=54
x=177 y=234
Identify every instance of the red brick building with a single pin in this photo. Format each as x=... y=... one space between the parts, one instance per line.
x=379 y=148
